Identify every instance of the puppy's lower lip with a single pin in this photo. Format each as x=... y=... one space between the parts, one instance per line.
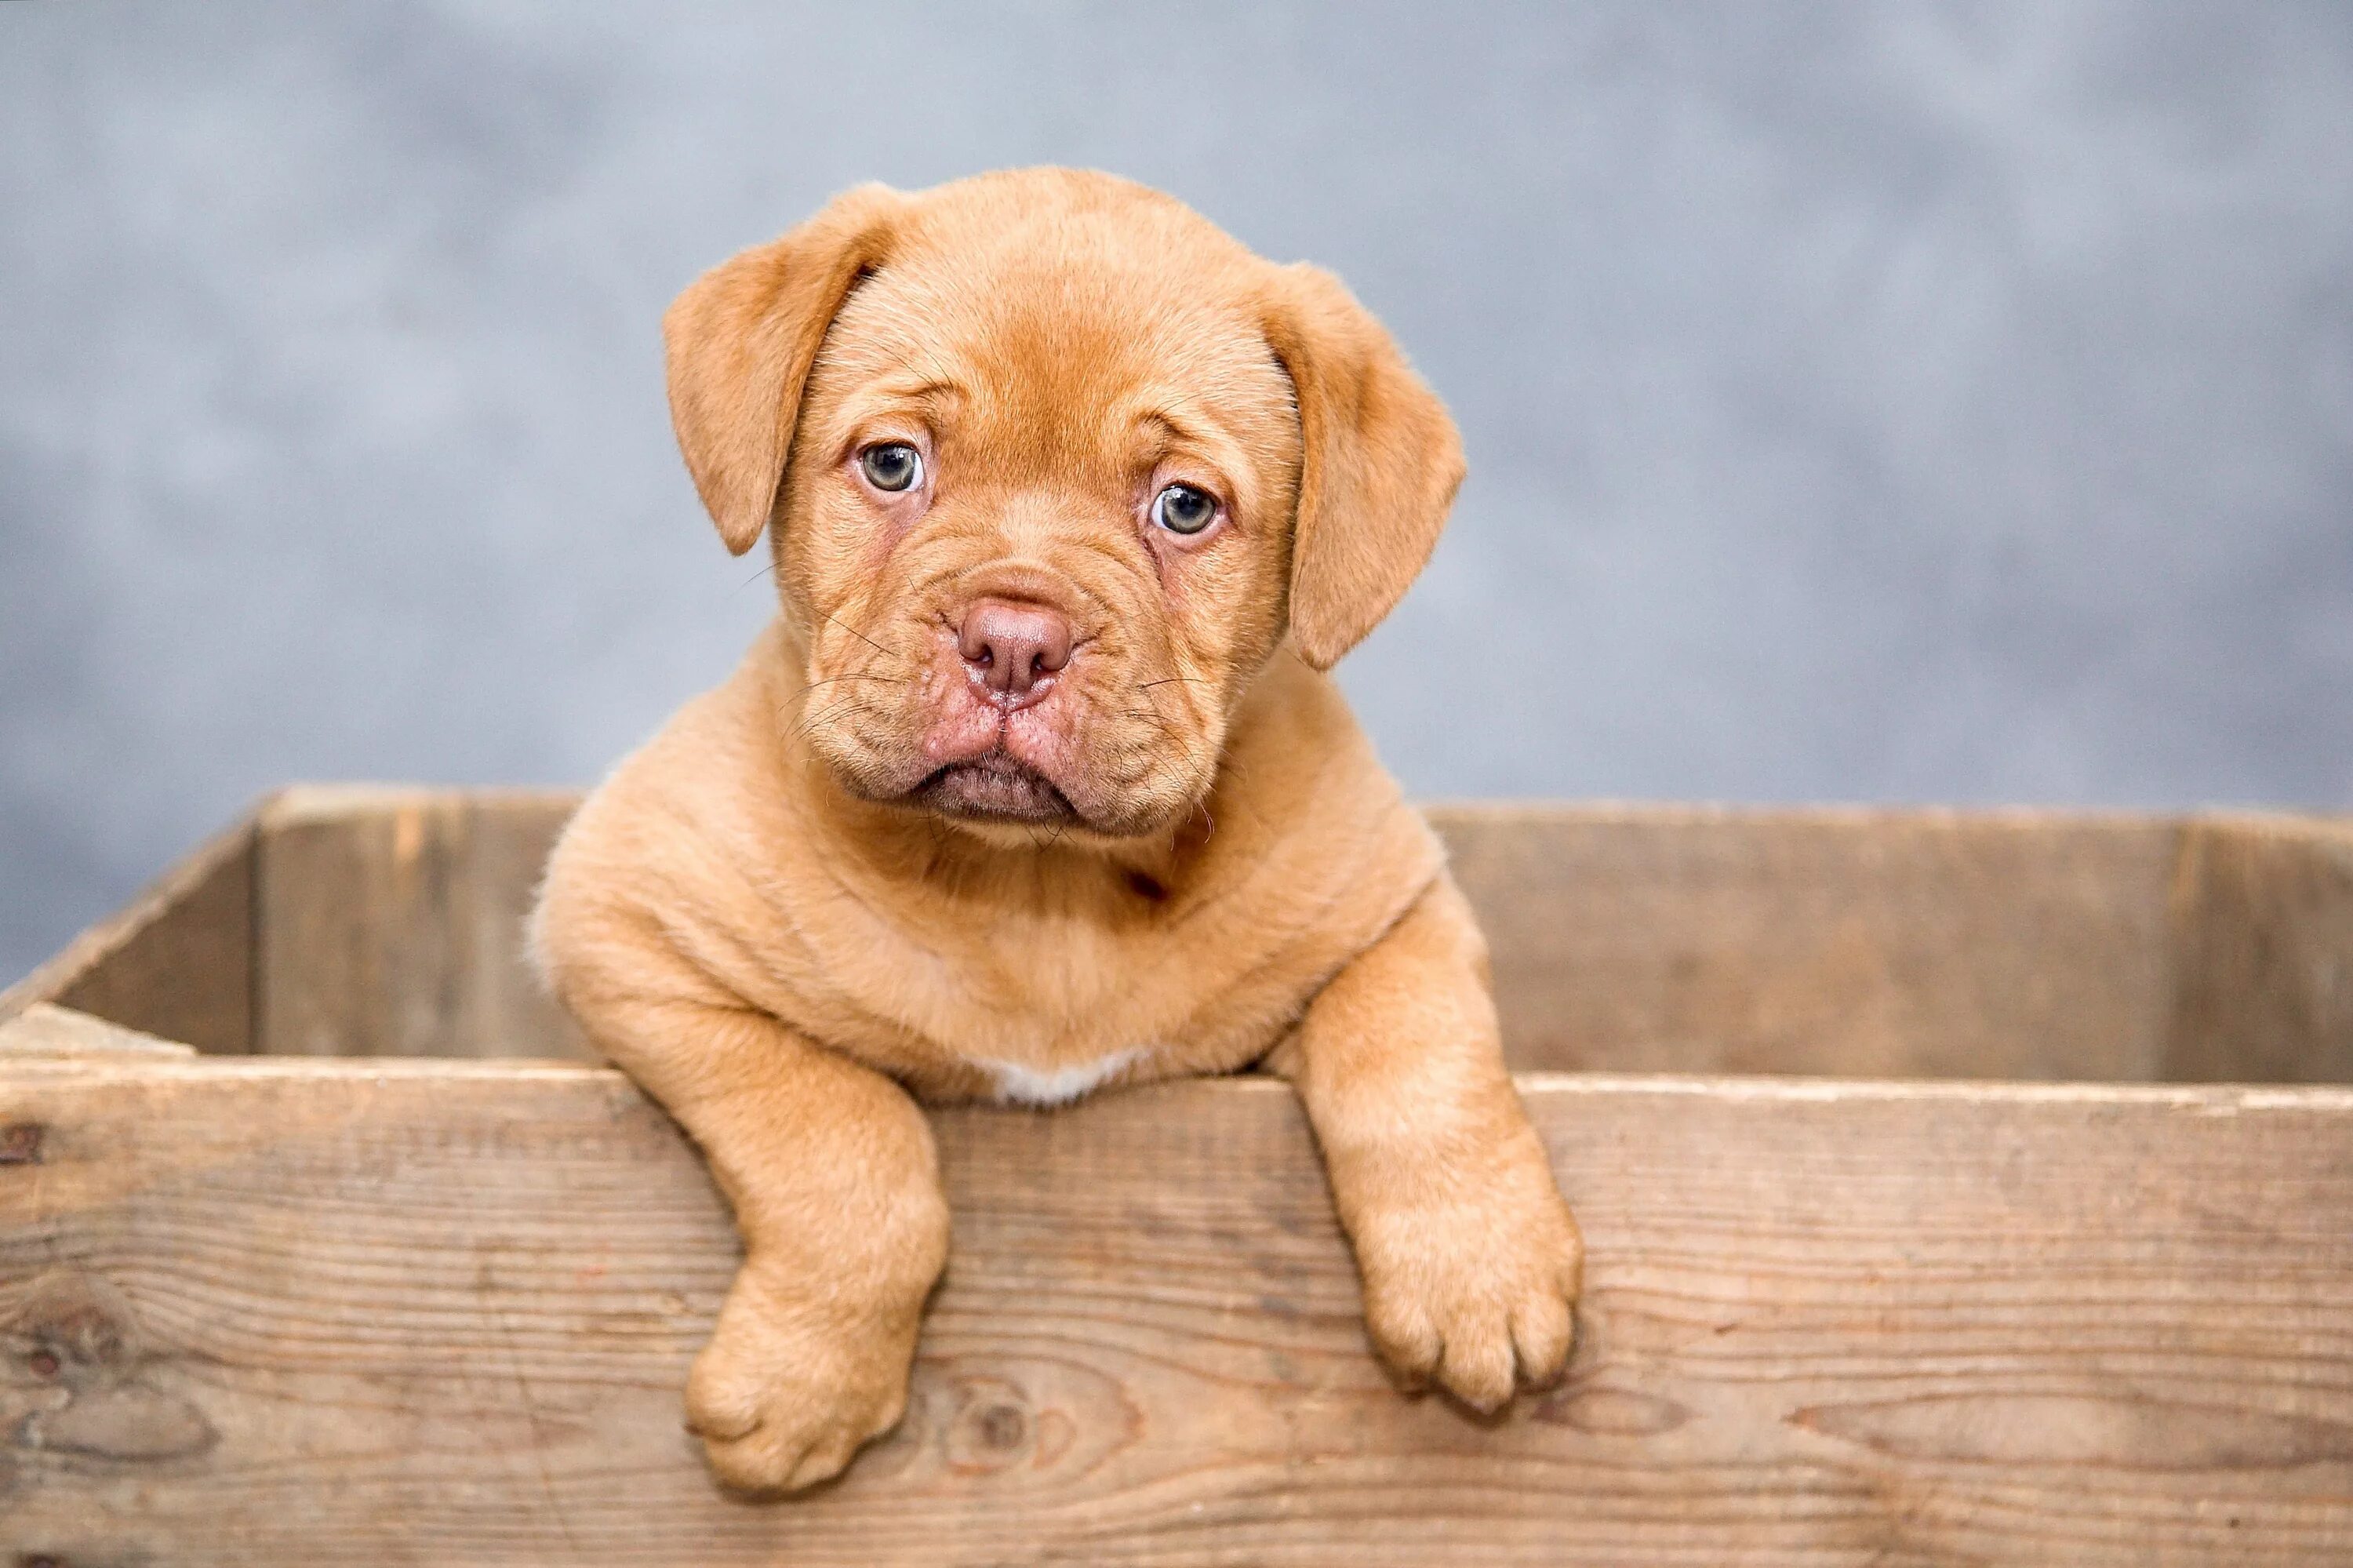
x=996 y=787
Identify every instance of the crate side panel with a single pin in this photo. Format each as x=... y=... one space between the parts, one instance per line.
x=178 y=962
x=2264 y=924
x=1893 y=943
x=391 y=924
x=1861 y=944
x=405 y=1313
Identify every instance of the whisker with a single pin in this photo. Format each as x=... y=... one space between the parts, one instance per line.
x=809 y=721
x=860 y=635
x=886 y=680
x=1164 y=725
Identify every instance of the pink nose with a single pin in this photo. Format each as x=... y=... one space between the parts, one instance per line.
x=1012 y=646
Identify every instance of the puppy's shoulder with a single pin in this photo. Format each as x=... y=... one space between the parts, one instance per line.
x=675 y=836
x=1304 y=776
x=1300 y=760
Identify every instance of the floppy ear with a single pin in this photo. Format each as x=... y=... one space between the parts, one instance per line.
x=1380 y=464
x=740 y=342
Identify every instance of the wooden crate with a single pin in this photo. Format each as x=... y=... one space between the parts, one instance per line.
x=2046 y=1259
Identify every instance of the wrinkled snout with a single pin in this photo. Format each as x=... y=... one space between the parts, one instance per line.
x=1014 y=648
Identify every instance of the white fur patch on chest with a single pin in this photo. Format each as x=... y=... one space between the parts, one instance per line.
x=1022 y=1086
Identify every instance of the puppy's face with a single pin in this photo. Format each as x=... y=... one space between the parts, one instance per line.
x=1062 y=472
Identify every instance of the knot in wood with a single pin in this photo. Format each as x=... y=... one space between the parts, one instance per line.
x=75 y=1330
x=74 y=1326
x=993 y=1428
x=1003 y=1426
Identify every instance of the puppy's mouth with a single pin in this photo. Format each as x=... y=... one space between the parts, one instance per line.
x=995 y=787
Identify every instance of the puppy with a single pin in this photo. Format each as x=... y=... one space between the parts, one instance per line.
x=1037 y=784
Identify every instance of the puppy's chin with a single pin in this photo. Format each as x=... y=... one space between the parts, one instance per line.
x=1002 y=800
x=996 y=789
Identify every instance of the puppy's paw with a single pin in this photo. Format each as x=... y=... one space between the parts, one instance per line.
x=791 y=1385
x=1474 y=1293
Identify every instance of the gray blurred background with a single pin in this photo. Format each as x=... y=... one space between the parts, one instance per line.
x=1866 y=402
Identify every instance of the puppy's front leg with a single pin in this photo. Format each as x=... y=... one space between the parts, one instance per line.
x=835 y=1183
x=1468 y=1254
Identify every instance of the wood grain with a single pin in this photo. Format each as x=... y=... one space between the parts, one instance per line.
x=1893 y=944
x=177 y=962
x=2264 y=955
x=42 y=1032
x=285 y=1312
x=1877 y=943
x=391 y=924
x=1863 y=943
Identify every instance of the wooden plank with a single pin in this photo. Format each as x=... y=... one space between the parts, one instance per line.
x=277 y=1312
x=391 y=924
x=1878 y=943
x=1881 y=943
x=2264 y=925
x=42 y=1030
x=1863 y=943
x=177 y=963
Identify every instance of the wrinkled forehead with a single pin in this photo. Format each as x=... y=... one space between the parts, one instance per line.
x=1062 y=341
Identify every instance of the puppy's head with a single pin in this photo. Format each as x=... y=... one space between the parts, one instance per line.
x=1050 y=466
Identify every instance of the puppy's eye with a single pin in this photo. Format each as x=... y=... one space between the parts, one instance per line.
x=1181 y=508
x=892 y=466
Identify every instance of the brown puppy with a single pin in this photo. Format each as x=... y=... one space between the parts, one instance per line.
x=1036 y=784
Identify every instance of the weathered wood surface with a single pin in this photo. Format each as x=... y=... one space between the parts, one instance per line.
x=371 y=921
x=178 y=962
x=391 y=924
x=281 y=1312
x=1866 y=943
x=42 y=1032
x=1861 y=943
x=2265 y=961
